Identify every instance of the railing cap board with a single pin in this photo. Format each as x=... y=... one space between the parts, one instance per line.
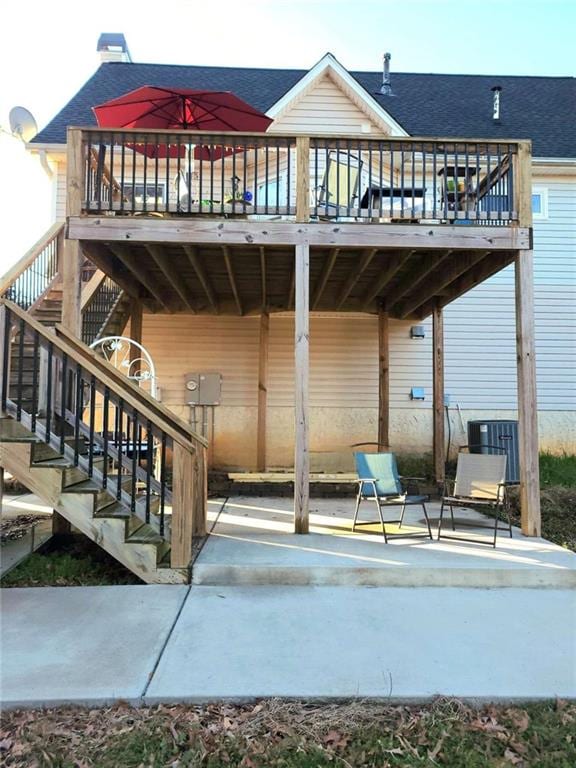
x=29 y=257
x=149 y=408
x=133 y=132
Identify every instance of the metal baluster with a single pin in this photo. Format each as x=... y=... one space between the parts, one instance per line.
x=35 y=367
x=91 y=425
x=6 y=352
x=162 y=481
x=120 y=444
x=77 y=413
x=20 y=371
x=149 y=465
x=49 y=391
x=63 y=393
x=134 y=459
x=105 y=437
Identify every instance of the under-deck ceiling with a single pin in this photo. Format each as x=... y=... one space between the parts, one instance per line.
x=243 y=279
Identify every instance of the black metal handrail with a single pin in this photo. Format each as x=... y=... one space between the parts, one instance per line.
x=98 y=311
x=95 y=422
x=394 y=179
x=36 y=271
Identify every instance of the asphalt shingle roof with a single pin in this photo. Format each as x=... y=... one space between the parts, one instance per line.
x=538 y=108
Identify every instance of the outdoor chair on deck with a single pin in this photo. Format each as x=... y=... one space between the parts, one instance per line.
x=379 y=481
x=479 y=483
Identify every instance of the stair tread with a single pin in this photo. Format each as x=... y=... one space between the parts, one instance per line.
x=84 y=486
x=115 y=510
x=145 y=535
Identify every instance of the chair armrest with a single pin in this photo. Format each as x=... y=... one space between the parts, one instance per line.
x=410 y=484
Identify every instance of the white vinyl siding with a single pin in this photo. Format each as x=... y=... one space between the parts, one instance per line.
x=480 y=326
x=325 y=109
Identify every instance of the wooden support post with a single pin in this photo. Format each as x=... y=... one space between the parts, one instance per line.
x=302 y=340
x=527 y=400
x=70 y=267
x=383 y=379
x=185 y=470
x=438 y=393
x=72 y=287
x=135 y=329
x=302 y=179
x=262 y=392
x=200 y=499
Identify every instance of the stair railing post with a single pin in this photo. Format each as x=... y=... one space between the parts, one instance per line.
x=184 y=469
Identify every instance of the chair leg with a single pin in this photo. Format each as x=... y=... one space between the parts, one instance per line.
x=495 y=527
x=452 y=517
x=440 y=521
x=427 y=521
x=402 y=516
x=382 y=521
x=358 y=500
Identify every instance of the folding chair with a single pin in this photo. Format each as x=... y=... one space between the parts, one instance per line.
x=479 y=483
x=379 y=481
x=338 y=193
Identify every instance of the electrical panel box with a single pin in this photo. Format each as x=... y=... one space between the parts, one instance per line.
x=203 y=388
x=483 y=436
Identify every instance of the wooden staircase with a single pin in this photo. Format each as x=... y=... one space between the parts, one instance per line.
x=116 y=464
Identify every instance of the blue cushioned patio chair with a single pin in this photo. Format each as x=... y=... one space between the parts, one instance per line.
x=379 y=481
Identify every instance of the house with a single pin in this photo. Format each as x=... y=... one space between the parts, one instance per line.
x=359 y=265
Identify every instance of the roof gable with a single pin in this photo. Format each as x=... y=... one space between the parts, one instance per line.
x=365 y=114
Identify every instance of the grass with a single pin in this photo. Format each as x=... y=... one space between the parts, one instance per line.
x=281 y=734
x=69 y=562
x=557 y=470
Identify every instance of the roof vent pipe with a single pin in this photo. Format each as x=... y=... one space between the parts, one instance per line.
x=497 y=90
x=386 y=89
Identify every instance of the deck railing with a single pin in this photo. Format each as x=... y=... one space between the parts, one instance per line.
x=32 y=275
x=127 y=443
x=310 y=178
x=99 y=306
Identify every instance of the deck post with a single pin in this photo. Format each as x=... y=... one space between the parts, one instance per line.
x=135 y=328
x=383 y=379
x=302 y=179
x=72 y=253
x=184 y=504
x=262 y=391
x=438 y=393
x=527 y=400
x=301 y=343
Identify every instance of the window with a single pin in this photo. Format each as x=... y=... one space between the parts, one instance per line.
x=155 y=194
x=272 y=193
x=539 y=203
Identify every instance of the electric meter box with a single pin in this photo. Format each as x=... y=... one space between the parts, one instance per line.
x=203 y=388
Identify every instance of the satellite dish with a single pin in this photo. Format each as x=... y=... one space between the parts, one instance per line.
x=22 y=123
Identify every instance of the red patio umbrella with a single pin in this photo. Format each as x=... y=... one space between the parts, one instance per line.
x=180 y=109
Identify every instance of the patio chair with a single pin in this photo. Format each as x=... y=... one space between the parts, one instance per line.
x=379 y=481
x=338 y=193
x=479 y=483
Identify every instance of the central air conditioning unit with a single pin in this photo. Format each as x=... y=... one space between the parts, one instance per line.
x=484 y=436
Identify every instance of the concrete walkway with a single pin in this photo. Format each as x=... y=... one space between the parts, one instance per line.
x=95 y=645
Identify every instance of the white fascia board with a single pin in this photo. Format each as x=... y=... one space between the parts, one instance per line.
x=329 y=62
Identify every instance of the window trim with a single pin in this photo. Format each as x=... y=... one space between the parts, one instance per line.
x=543 y=193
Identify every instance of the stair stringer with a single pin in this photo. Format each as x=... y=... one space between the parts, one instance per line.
x=79 y=509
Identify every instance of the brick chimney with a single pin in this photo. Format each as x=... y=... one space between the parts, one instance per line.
x=112 y=46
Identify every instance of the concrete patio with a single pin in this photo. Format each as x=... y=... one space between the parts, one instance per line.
x=319 y=616
x=252 y=543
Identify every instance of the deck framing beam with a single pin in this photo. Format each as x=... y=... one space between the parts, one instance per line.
x=395 y=265
x=201 y=231
x=133 y=264
x=197 y=265
x=232 y=278
x=355 y=274
x=170 y=272
x=327 y=268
